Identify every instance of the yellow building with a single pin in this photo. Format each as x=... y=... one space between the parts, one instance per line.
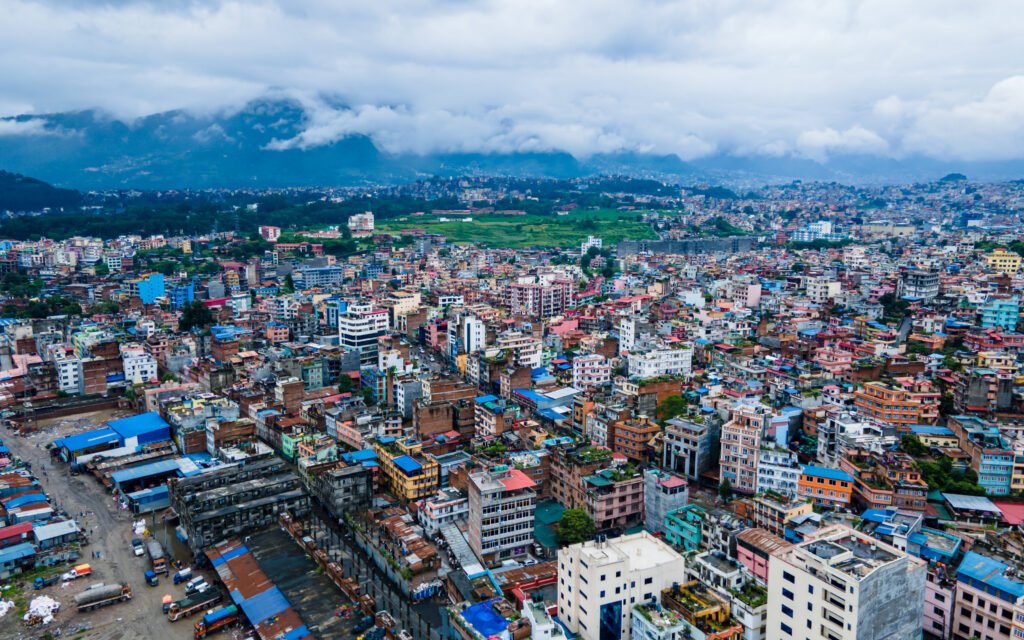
x=997 y=360
x=1003 y=261
x=404 y=471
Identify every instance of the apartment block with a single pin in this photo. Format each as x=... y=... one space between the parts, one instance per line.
x=842 y=585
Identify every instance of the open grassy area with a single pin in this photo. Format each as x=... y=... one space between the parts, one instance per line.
x=520 y=232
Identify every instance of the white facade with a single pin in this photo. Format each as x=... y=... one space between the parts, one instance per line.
x=526 y=350
x=590 y=371
x=661 y=362
x=591 y=241
x=361 y=223
x=610 y=576
x=778 y=470
x=843 y=585
x=821 y=290
x=139 y=366
x=69 y=375
x=474 y=334
x=447 y=507
x=627 y=334
x=359 y=328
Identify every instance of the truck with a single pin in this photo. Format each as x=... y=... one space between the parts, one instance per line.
x=151 y=578
x=79 y=571
x=42 y=582
x=183 y=575
x=157 y=556
x=193 y=604
x=215 y=621
x=101 y=596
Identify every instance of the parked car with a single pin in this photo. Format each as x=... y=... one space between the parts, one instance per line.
x=137 y=547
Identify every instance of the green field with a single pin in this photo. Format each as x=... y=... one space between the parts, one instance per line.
x=521 y=232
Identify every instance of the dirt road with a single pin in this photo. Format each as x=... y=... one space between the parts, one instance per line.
x=110 y=538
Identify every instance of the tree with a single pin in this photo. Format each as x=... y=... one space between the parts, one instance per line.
x=168 y=377
x=345 y=383
x=575 y=526
x=672 y=406
x=725 y=490
x=912 y=445
x=195 y=316
x=101 y=268
x=289 y=283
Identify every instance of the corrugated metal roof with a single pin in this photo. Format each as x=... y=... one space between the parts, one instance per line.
x=137 y=425
x=144 y=471
x=17 y=552
x=87 y=439
x=55 y=530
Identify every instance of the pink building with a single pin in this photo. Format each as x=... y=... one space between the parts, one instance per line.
x=753 y=549
x=834 y=360
x=938 y=603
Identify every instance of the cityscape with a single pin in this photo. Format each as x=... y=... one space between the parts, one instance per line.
x=511 y=320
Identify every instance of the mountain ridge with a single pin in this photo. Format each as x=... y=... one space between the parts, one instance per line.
x=91 y=150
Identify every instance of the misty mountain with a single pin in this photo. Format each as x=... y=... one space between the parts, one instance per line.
x=177 y=149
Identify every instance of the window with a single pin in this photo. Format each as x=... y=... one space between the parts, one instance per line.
x=786 y=629
x=787 y=594
x=788 y=577
x=810 y=589
x=648 y=580
x=786 y=611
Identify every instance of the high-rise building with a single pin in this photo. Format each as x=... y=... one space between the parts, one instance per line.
x=741 y=443
x=842 y=585
x=501 y=506
x=359 y=327
x=600 y=580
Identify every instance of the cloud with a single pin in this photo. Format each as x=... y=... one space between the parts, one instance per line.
x=819 y=143
x=29 y=127
x=690 y=77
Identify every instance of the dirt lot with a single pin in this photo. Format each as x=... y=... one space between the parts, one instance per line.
x=111 y=539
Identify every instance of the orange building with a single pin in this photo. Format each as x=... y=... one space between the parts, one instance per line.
x=915 y=402
x=631 y=436
x=826 y=487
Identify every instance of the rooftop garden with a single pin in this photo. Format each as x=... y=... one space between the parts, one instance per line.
x=594 y=454
x=752 y=594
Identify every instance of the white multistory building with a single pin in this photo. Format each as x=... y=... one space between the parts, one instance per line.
x=840 y=584
x=359 y=329
x=599 y=581
x=661 y=362
x=590 y=371
x=526 y=349
x=139 y=366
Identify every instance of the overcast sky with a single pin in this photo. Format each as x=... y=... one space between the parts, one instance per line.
x=814 y=79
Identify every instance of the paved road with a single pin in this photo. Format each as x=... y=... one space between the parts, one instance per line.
x=111 y=537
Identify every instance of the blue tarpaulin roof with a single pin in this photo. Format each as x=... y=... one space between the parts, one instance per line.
x=828 y=474
x=989 y=572
x=264 y=605
x=17 y=552
x=407 y=464
x=21 y=501
x=87 y=439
